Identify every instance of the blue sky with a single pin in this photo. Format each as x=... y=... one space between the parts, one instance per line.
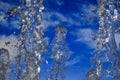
x=78 y=16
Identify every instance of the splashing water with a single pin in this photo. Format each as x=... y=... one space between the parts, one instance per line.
x=59 y=53
x=106 y=44
x=105 y=65
x=31 y=43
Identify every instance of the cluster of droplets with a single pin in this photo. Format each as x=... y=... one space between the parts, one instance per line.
x=106 y=61
x=59 y=54
x=31 y=43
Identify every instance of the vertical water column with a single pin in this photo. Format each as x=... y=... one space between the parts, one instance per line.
x=95 y=72
x=106 y=49
x=108 y=16
x=59 y=53
x=33 y=39
x=4 y=63
x=31 y=43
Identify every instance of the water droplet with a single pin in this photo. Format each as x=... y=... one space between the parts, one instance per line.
x=46 y=62
x=28 y=3
x=38 y=70
x=41 y=7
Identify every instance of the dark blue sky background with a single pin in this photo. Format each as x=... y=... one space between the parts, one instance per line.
x=78 y=16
